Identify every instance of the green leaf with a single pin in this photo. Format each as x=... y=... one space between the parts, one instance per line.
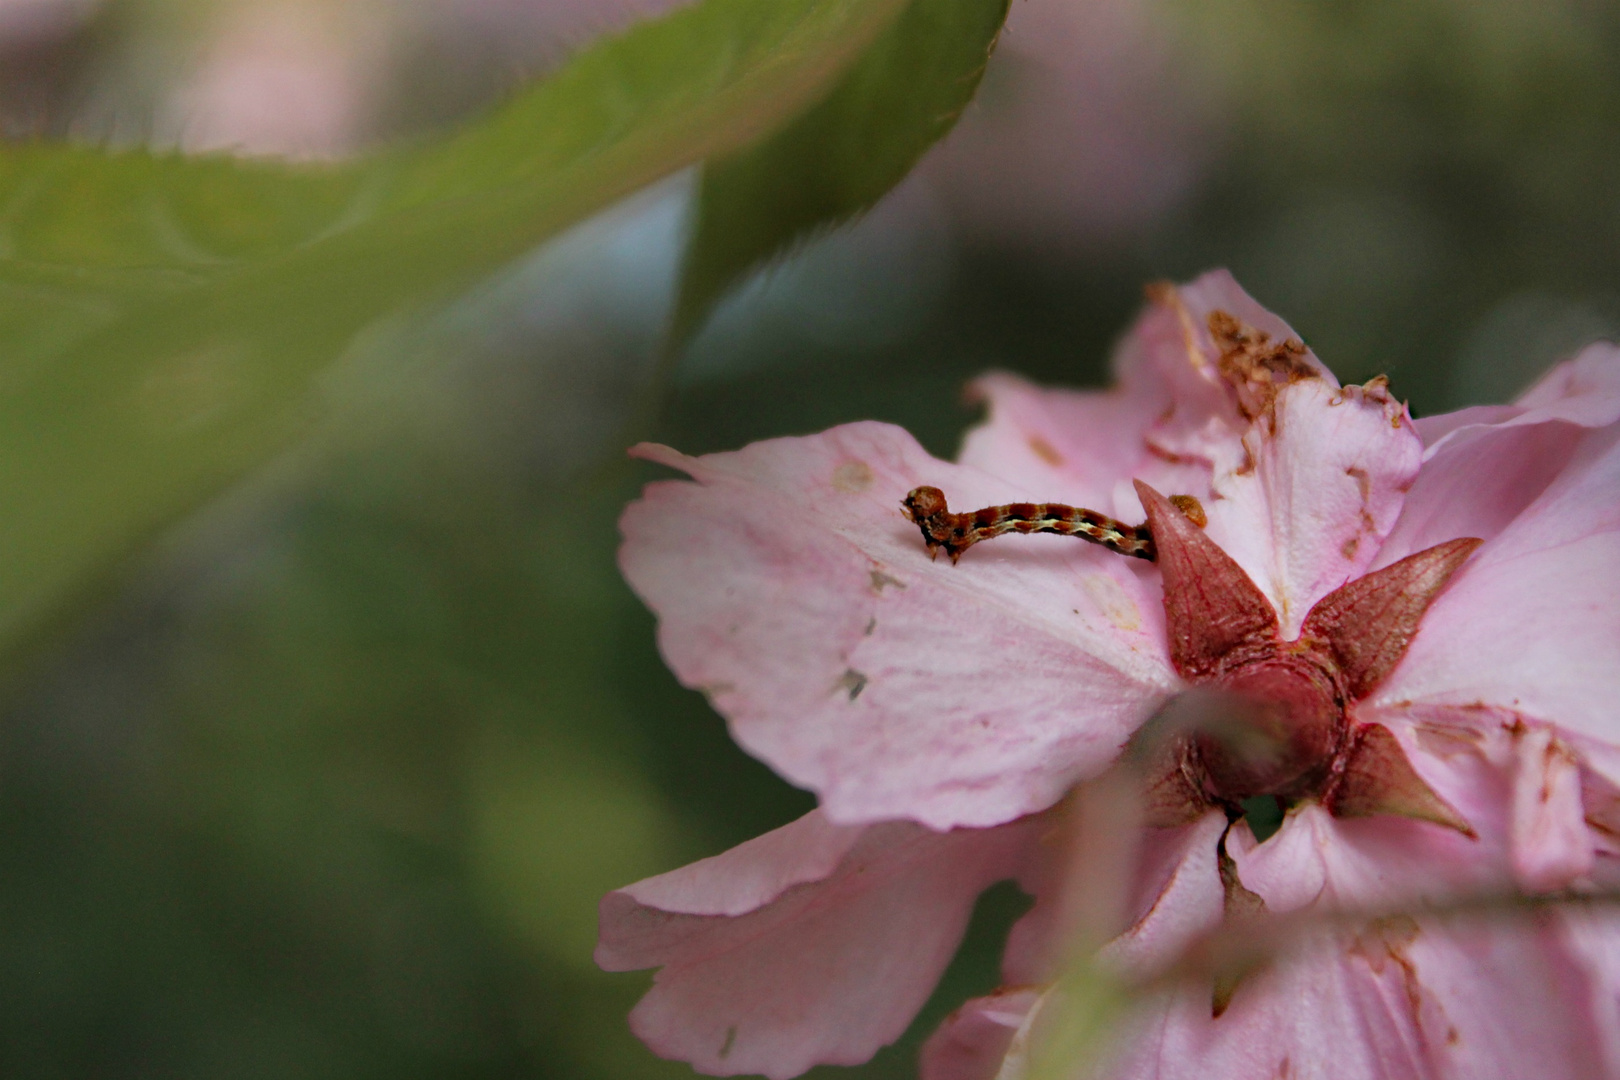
x=163 y=320
x=842 y=156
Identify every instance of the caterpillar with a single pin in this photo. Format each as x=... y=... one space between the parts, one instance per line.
x=955 y=533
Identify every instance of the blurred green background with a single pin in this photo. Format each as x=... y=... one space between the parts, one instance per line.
x=329 y=781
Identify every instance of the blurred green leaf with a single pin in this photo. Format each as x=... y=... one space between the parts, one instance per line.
x=163 y=320
x=841 y=157
x=1076 y=1022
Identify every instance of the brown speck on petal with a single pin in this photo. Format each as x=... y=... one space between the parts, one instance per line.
x=880 y=580
x=1378 y=779
x=852 y=682
x=1045 y=451
x=1363 y=481
x=1385 y=941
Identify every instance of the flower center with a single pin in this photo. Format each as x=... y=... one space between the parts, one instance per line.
x=1282 y=734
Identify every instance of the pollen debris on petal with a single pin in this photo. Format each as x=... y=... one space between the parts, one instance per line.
x=1045 y=451
x=1189 y=505
x=1253 y=365
x=852 y=477
x=1111 y=600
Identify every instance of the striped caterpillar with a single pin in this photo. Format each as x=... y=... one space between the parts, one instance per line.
x=955 y=533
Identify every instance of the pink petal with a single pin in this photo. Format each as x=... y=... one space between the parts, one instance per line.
x=750 y=875
x=1499 y=997
x=792 y=591
x=1529 y=625
x=1169 y=420
x=1301 y=499
x=1433 y=429
x=1085 y=446
x=1600 y=799
x=1488 y=1000
x=1185 y=900
x=1288 y=871
x=1176 y=897
x=828 y=971
x=1593 y=939
x=1521 y=782
x=1309 y=507
x=1485 y=465
x=1551 y=843
x=1584 y=391
x=1378 y=863
x=1075 y=446
x=1324 y=1015
x=973 y=1040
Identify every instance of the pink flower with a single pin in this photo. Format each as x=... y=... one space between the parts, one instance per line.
x=1408 y=628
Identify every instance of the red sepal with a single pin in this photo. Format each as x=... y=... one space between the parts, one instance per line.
x=1368 y=623
x=1378 y=779
x=1211 y=607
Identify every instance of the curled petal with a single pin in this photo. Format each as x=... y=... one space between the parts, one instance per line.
x=1583 y=391
x=791 y=590
x=973 y=1042
x=1184 y=898
x=1377 y=863
x=744 y=879
x=1289 y=871
x=826 y=972
x=1177 y=895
